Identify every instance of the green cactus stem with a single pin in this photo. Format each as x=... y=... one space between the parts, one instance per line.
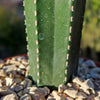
x=53 y=30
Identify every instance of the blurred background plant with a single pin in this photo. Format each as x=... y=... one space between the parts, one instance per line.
x=12 y=29
x=91 y=32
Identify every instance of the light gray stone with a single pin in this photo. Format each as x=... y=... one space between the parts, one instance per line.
x=21 y=66
x=5 y=91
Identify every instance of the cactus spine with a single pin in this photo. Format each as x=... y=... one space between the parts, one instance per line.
x=51 y=33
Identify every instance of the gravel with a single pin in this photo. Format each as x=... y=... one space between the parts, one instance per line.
x=15 y=84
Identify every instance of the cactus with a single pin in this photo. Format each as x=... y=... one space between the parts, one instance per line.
x=53 y=30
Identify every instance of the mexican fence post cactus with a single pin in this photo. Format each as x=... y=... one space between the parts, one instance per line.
x=53 y=30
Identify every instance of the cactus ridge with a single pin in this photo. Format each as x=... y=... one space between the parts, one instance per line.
x=69 y=40
x=37 y=42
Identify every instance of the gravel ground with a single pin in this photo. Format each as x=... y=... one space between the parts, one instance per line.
x=15 y=84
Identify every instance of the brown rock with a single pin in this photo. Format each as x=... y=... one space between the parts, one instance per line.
x=9 y=97
x=37 y=96
x=81 y=96
x=18 y=88
x=43 y=91
x=26 y=97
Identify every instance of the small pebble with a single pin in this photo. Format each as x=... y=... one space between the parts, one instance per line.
x=9 y=81
x=18 y=88
x=29 y=82
x=9 y=68
x=71 y=92
x=24 y=62
x=24 y=83
x=20 y=93
x=2 y=73
x=56 y=96
x=61 y=88
x=22 y=66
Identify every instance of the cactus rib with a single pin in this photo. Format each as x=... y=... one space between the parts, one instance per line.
x=69 y=39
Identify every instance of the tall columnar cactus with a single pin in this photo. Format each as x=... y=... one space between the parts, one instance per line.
x=53 y=30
